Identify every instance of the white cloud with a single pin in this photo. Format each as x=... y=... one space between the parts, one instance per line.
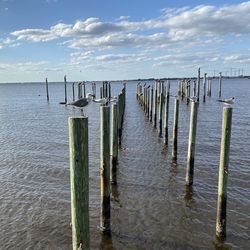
x=8 y=43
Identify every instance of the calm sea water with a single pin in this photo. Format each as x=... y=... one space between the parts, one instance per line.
x=151 y=208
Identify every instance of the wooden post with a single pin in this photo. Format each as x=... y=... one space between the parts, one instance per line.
x=47 y=89
x=109 y=85
x=148 y=104
x=223 y=173
x=79 y=181
x=175 y=129
x=79 y=90
x=73 y=90
x=151 y=104
x=194 y=88
x=204 y=87
x=166 y=119
x=114 y=143
x=220 y=80
x=160 y=114
x=188 y=92
x=191 y=144
x=101 y=92
x=105 y=169
x=179 y=88
x=155 y=107
x=84 y=90
x=198 y=83
x=65 y=89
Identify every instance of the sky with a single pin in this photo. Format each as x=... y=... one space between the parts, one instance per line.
x=115 y=40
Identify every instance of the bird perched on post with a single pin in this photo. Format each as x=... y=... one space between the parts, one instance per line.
x=227 y=102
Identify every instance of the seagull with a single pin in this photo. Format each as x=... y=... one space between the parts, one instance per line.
x=228 y=102
x=101 y=100
x=193 y=98
x=82 y=102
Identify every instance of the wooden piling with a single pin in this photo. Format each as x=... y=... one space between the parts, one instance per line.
x=160 y=114
x=101 y=92
x=114 y=143
x=105 y=168
x=194 y=88
x=151 y=104
x=166 y=111
x=47 y=88
x=223 y=173
x=198 y=84
x=84 y=89
x=73 y=90
x=148 y=103
x=79 y=90
x=79 y=181
x=220 y=80
x=191 y=144
x=155 y=107
x=175 y=129
x=65 y=89
x=204 y=87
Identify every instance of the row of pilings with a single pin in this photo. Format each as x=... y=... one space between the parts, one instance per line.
x=111 y=126
x=155 y=101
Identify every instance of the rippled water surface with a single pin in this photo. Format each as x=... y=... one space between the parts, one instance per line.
x=151 y=208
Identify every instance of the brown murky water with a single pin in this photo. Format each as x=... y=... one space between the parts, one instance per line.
x=151 y=208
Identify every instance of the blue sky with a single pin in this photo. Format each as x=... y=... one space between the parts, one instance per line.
x=108 y=40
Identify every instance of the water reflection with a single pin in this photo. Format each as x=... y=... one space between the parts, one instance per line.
x=188 y=197
x=106 y=242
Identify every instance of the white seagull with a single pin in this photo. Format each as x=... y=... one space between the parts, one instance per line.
x=229 y=101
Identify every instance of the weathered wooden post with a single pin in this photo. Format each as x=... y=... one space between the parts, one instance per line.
x=47 y=88
x=194 y=88
x=191 y=144
x=220 y=80
x=73 y=90
x=101 y=92
x=188 y=92
x=198 y=84
x=79 y=181
x=110 y=95
x=114 y=143
x=223 y=173
x=151 y=104
x=148 y=98
x=105 y=168
x=79 y=90
x=160 y=114
x=65 y=89
x=84 y=89
x=166 y=118
x=175 y=129
x=204 y=87
x=155 y=107
x=179 y=88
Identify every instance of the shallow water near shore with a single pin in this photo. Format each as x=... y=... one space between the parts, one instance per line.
x=150 y=206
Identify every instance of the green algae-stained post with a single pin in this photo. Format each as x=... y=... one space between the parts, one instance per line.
x=79 y=181
x=114 y=143
x=175 y=129
x=166 y=110
x=160 y=114
x=223 y=173
x=105 y=169
x=191 y=144
x=47 y=88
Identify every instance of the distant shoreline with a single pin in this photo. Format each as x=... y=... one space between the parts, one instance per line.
x=139 y=79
